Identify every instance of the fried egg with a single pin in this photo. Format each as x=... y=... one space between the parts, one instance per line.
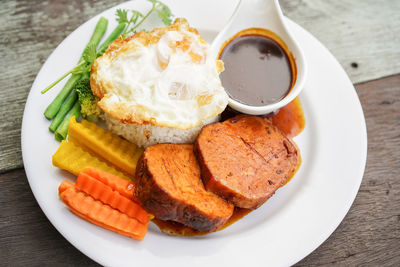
x=166 y=77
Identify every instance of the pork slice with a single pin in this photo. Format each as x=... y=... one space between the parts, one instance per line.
x=169 y=187
x=245 y=159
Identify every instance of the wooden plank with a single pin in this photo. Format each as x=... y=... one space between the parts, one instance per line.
x=368 y=236
x=363 y=35
x=363 y=32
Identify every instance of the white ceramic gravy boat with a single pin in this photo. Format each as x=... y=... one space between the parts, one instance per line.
x=265 y=14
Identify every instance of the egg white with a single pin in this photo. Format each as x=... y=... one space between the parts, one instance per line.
x=162 y=83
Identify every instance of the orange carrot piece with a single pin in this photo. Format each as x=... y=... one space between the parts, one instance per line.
x=65 y=185
x=124 y=187
x=107 y=195
x=102 y=215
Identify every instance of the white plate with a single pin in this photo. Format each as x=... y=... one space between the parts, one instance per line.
x=294 y=222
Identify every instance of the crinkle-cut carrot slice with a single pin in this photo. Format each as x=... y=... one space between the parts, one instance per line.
x=109 y=146
x=74 y=159
x=94 y=211
x=64 y=186
x=107 y=195
x=124 y=187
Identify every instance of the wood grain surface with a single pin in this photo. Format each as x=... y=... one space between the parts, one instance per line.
x=362 y=34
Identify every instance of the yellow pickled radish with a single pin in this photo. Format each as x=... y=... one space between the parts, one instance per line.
x=106 y=145
x=74 y=159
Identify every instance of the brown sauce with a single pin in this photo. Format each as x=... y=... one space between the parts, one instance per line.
x=259 y=69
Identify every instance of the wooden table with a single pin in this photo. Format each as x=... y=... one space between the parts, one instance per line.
x=364 y=35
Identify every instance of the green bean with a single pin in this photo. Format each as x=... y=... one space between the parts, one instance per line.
x=55 y=105
x=66 y=106
x=62 y=129
x=99 y=31
x=114 y=35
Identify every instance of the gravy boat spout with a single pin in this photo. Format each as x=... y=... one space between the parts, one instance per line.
x=265 y=14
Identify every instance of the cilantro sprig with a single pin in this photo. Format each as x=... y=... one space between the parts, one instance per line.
x=137 y=18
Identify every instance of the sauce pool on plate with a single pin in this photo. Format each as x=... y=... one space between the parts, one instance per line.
x=290 y=118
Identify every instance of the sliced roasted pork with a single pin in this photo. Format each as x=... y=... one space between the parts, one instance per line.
x=169 y=187
x=245 y=159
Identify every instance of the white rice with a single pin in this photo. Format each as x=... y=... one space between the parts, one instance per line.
x=147 y=135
